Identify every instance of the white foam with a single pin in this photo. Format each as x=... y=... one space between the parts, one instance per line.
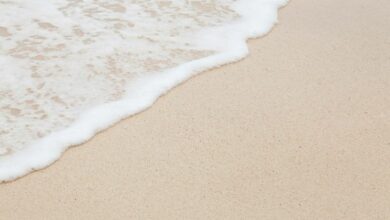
x=221 y=42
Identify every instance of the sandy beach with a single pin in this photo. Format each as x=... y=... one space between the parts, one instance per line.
x=300 y=129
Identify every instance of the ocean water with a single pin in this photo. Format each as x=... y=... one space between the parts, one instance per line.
x=70 y=68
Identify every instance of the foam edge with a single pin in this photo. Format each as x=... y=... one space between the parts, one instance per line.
x=258 y=17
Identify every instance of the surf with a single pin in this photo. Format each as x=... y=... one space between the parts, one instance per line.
x=72 y=68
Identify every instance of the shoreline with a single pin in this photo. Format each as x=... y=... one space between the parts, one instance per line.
x=300 y=129
x=143 y=92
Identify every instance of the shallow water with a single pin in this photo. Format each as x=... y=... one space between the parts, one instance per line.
x=70 y=68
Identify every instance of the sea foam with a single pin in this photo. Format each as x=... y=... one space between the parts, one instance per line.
x=71 y=68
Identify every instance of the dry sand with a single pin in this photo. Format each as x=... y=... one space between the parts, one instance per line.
x=299 y=130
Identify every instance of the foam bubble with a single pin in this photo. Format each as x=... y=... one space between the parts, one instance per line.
x=71 y=68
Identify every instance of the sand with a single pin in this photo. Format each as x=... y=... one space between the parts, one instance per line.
x=298 y=130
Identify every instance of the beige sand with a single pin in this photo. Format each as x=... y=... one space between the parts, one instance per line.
x=299 y=130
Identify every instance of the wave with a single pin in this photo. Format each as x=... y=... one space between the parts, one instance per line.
x=72 y=68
